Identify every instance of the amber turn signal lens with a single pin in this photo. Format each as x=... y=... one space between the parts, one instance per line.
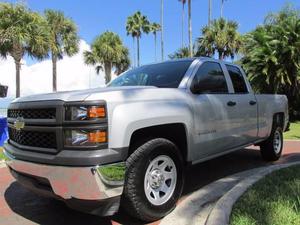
x=97 y=136
x=96 y=112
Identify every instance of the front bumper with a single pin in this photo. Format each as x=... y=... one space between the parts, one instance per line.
x=94 y=190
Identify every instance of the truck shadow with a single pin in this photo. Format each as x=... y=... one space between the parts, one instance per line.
x=48 y=211
x=199 y=175
x=43 y=210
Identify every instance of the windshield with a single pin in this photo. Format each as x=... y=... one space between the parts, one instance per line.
x=163 y=75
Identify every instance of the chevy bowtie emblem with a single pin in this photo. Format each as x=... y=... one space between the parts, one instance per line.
x=19 y=123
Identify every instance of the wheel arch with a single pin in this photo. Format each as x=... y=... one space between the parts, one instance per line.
x=278 y=119
x=175 y=132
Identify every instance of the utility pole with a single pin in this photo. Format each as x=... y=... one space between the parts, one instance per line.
x=222 y=6
x=190 y=28
x=209 y=12
x=162 y=29
x=182 y=25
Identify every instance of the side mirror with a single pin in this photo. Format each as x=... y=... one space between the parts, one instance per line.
x=3 y=91
x=195 y=88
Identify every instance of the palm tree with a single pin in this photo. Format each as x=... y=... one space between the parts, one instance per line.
x=271 y=56
x=131 y=30
x=63 y=39
x=162 y=29
x=190 y=28
x=138 y=24
x=124 y=62
x=154 y=28
x=180 y=53
x=221 y=37
x=182 y=23
x=184 y=52
x=108 y=50
x=22 y=32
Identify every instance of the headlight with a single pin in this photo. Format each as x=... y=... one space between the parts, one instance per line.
x=80 y=113
x=87 y=138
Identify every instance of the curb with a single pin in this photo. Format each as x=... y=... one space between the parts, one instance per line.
x=2 y=164
x=220 y=214
x=195 y=208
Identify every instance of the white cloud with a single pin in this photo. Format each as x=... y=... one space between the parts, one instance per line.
x=72 y=74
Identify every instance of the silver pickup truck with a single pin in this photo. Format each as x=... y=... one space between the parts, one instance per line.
x=128 y=143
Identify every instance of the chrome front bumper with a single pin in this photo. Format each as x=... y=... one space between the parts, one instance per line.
x=93 y=185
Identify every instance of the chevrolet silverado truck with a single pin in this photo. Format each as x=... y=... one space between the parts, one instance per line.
x=128 y=144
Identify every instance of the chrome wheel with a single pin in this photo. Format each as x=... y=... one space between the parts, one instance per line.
x=277 y=142
x=160 y=180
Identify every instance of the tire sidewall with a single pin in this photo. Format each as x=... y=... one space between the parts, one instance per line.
x=267 y=148
x=153 y=150
x=281 y=138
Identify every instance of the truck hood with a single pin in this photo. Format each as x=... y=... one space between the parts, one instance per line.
x=79 y=95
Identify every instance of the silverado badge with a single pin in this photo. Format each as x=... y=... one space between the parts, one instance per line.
x=19 y=123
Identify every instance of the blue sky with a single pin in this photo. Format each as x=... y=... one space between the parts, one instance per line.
x=95 y=16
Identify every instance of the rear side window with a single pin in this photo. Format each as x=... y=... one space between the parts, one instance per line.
x=210 y=79
x=237 y=79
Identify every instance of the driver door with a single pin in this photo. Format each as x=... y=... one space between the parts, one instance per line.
x=213 y=109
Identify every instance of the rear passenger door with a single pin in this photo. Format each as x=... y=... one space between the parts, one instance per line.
x=246 y=106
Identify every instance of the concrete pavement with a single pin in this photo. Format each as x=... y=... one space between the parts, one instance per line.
x=20 y=206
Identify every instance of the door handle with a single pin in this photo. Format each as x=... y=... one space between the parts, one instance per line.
x=252 y=102
x=231 y=103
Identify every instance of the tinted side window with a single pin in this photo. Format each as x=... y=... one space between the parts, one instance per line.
x=210 y=79
x=237 y=79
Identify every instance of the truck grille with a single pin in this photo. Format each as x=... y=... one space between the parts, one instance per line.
x=33 y=138
x=44 y=113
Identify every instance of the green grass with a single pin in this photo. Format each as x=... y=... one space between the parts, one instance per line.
x=294 y=132
x=2 y=157
x=113 y=172
x=274 y=200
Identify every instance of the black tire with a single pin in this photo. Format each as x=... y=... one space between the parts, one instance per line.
x=268 y=150
x=134 y=200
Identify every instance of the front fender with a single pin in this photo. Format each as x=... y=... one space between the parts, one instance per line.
x=127 y=118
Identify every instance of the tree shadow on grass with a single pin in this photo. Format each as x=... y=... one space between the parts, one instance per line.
x=278 y=206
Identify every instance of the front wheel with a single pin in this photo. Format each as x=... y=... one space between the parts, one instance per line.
x=271 y=149
x=154 y=180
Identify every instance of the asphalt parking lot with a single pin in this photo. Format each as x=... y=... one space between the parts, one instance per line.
x=20 y=206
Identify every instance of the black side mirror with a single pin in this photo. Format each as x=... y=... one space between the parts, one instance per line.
x=195 y=88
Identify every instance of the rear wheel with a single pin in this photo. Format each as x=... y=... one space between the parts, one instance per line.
x=154 y=180
x=271 y=149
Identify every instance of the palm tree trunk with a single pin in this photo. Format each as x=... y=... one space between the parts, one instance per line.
x=182 y=24
x=162 y=29
x=54 y=72
x=138 y=51
x=133 y=53
x=107 y=70
x=221 y=57
x=155 y=46
x=209 y=12
x=18 y=68
x=190 y=29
